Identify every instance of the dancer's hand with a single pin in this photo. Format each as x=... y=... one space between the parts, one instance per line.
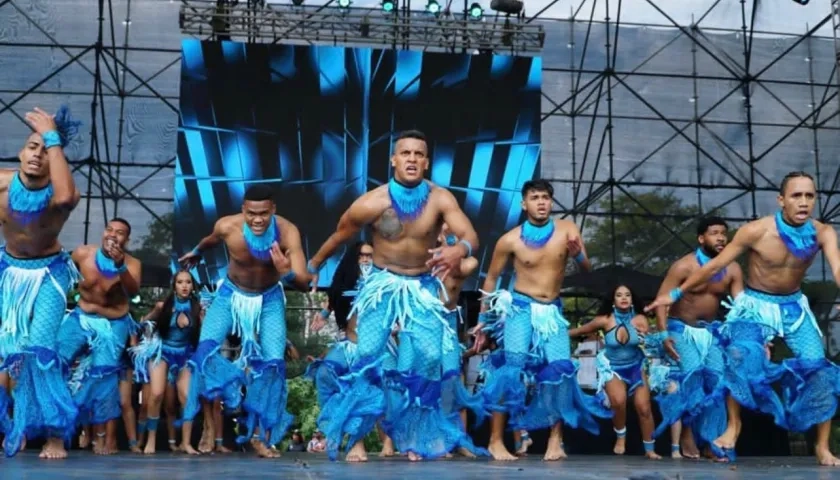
x=670 y=349
x=663 y=300
x=445 y=259
x=115 y=252
x=318 y=321
x=480 y=337
x=314 y=282
x=281 y=262
x=190 y=260
x=574 y=246
x=41 y=121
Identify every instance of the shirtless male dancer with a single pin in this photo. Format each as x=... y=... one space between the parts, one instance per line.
x=781 y=248
x=35 y=275
x=690 y=324
x=535 y=334
x=101 y=320
x=406 y=215
x=264 y=250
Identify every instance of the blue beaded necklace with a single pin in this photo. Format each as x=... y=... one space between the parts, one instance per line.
x=800 y=240
x=25 y=204
x=703 y=259
x=408 y=202
x=260 y=245
x=536 y=236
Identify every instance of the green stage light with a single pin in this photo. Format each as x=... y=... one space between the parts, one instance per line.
x=475 y=12
x=389 y=6
x=344 y=3
x=136 y=299
x=433 y=7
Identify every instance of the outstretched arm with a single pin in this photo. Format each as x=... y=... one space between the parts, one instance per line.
x=294 y=251
x=458 y=222
x=592 y=326
x=215 y=238
x=351 y=223
x=673 y=279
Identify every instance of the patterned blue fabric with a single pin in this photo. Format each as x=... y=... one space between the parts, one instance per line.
x=454 y=395
x=33 y=293
x=621 y=360
x=536 y=343
x=95 y=382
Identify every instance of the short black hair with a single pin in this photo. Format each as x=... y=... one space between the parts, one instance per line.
x=259 y=192
x=415 y=134
x=790 y=176
x=705 y=223
x=123 y=221
x=538 y=185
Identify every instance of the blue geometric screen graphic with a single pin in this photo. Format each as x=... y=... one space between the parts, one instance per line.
x=318 y=124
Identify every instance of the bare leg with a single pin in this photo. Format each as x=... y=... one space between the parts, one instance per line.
x=219 y=427
x=186 y=429
x=616 y=391
x=357 y=453
x=554 y=450
x=128 y=415
x=689 y=447
x=523 y=440
x=641 y=400
x=99 y=446
x=733 y=426
x=111 y=437
x=387 y=443
x=497 y=445
x=676 y=433
x=157 y=388
x=170 y=409
x=824 y=456
x=208 y=433
x=142 y=416
x=85 y=438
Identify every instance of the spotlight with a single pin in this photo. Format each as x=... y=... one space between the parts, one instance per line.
x=344 y=3
x=433 y=7
x=475 y=12
x=510 y=7
x=389 y=6
x=136 y=299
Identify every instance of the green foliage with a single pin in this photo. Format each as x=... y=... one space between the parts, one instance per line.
x=156 y=245
x=641 y=239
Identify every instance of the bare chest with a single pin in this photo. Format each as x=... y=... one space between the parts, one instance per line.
x=551 y=255
x=771 y=253
x=389 y=226
x=95 y=281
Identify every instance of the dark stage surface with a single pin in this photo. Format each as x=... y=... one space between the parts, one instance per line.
x=239 y=466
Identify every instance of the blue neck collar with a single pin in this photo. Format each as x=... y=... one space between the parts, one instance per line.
x=536 y=236
x=182 y=306
x=703 y=258
x=801 y=240
x=260 y=245
x=27 y=205
x=106 y=265
x=408 y=202
x=623 y=318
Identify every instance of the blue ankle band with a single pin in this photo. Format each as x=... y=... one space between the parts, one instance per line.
x=218 y=441
x=649 y=446
x=152 y=423
x=620 y=433
x=675 y=448
x=132 y=443
x=289 y=277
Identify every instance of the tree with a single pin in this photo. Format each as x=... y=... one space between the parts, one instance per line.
x=642 y=238
x=156 y=246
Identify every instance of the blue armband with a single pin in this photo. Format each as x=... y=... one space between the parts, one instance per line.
x=122 y=268
x=51 y=139
x=469 y=247
x=289 y=277
x=312 y=270
x=580 y=257
x=676 y=294
x=325 y=313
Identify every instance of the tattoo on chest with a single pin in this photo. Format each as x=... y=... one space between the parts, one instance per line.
x=389 y=225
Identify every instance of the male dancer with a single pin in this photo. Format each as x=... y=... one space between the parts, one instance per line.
x=690 y=340
x=101 y=320
x=35 y=276
x=536 y=338
x=781 y=247
x=264 y=249
x=406 y=215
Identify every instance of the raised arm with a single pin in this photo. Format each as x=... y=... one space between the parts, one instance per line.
x=592 y=326
x=458 y=222
x=360 y=213
x=65 y=195
x=130 y=276
x=294 y=250
x=827 y=239
x=216 y=237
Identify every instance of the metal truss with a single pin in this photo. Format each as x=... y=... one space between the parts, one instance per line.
x=401 y=28
x=580 y=119
x=110 y=72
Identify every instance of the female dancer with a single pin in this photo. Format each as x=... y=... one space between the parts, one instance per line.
x=177 y=321
x=621 y=362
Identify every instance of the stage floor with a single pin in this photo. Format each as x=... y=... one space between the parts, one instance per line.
x=239 y=466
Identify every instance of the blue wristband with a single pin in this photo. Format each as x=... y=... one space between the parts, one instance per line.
x=312 y=270
x=289 y=277
x=580 y=257
x=51 y=139
x=325 y=313
x=122 y=268
x=676 y=294
x=469 y=247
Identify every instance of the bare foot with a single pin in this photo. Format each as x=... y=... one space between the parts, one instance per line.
x=358 y=453
x=620 y=445
x=206 y=444
x=387 y=448
x=449 y=455
x=262 y=450
x=675 y=454
x=725 y=443
x=826 y=459
x=523 y=448
x=223 y=449
x=653 y=456
x=99 y=446
x=554 y=450
x=413 y=457
x=175 y=447
x=84 y=440
x=136 y=449
x=23 y=444
x=465 y=453
x=500 y=453
x=188 y=449
x=53 y=449
x=150 y=448
x=689 y=449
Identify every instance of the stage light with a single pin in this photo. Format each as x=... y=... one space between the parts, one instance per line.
x=475 y=12
x=389 y=6
x=344 y=3
x=297 y=3
x=136 y=299
x=510 y=7
x=433 y=7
